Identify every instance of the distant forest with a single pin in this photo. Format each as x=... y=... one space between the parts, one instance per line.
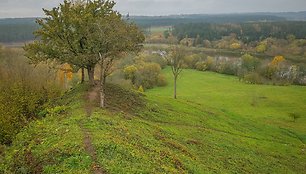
x=147 y=21
x=246 y=32
x=17 y=30
x=21 y=29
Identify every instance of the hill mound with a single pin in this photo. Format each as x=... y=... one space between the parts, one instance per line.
x=218 y=125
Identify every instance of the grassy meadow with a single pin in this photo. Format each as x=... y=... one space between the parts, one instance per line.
x=217 y=125
x=271 y=104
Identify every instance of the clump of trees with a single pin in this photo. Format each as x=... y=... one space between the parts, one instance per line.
x=246 y=32
x=278 y=71
x=294 y=49
x=85 y=34
x=267 y=39
x=248 y=68
x=144 y=71
x=204 y=62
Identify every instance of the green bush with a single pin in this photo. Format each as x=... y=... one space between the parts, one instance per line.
x=130 y=73
x=140 y=89
x=24 y=92
x=210 y=63
x=254 y=78
x=229 y=68
x=18 y=105
x=249 y=63
x=142 y=70
x=161 y=80
x=201 y=66
x=147 y=76
x=156 y=58
x=192 y=60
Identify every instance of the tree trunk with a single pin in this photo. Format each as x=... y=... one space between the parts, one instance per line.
x=102 y=88
x=65 y=81
x=175 y=79
x=91 y=75
x=83 y=75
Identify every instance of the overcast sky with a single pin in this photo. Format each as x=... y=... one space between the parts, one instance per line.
x=32 y=8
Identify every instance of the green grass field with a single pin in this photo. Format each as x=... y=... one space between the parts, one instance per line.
x=160 y=29
x=217 y=125
x=223 y=93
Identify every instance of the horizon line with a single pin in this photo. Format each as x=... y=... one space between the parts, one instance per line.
x=183 y=14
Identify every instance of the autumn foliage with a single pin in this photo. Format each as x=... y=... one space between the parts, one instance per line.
x=65 y=74
x=277 y=60
x=24 y=91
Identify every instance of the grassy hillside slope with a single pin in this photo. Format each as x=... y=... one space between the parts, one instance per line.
x=218 y=125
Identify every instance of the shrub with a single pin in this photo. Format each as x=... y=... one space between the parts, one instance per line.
x=156 y=58
x=147 y=75
x=192 y=60
x=24 y=92
x=207 y=44
x=261 y=48
x=18 y=105
x=144 y=70
x=210 y=63
x=187 y=42
x=161 y=80
x=140 y=89
x=253 y=78
x=201 y=66
x=249 y=63
x=130 y=73
x=275 y=68
x=235 y=46
x=229 y=68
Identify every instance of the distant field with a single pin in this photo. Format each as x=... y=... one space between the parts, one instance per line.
x=158 y=30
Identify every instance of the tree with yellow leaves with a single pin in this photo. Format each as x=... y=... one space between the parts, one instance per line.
x=65 y=74
x=277 y=60
x=275 y=66
x=235 y=46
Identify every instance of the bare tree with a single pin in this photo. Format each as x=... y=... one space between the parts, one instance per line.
x=176 y=61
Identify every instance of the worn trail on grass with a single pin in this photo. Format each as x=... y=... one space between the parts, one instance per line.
x=90 y=149
x=90 y=101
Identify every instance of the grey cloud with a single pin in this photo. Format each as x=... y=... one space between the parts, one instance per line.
x=161 y=7
x=27 y=8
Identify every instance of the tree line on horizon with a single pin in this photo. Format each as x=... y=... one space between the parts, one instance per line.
x=246 y=32
x=21 y=29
